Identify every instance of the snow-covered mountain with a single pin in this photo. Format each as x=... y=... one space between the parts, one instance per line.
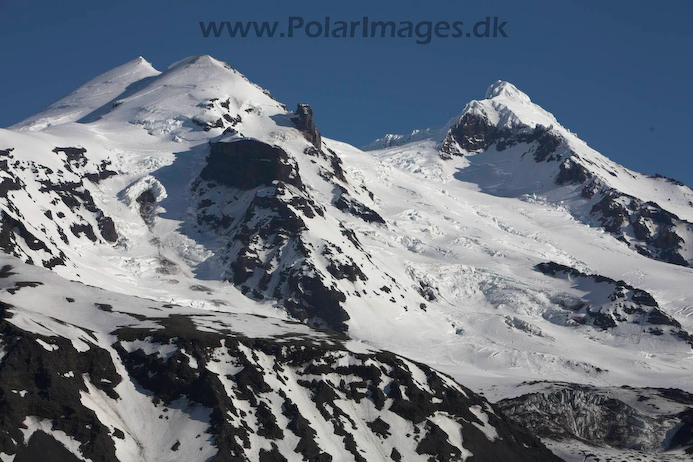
x=191 y=220
x=516 y=148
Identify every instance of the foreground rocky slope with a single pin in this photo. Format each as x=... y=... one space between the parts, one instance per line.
x=119 y=378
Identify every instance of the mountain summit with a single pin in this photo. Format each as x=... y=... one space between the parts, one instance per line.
x=503 y=89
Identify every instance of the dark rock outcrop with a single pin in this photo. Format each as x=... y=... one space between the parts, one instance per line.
x=474 y=133
x=249 y=163
x=344 y=202
x=645 y=226
x=51 y=390
x=623 y=304
x=305 y=122
x=592 y=416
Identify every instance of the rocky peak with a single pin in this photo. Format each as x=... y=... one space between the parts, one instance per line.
x=305 y=122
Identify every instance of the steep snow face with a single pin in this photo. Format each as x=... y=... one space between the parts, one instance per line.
x=95 y=96
x=154 y=382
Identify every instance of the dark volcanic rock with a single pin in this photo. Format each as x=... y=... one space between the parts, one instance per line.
x=577 y=413
x=570 y=172
x=564 y=412
x=75 y=157
x=619 y=303
x=248 y=163
x=312 y=298
x=147 y=203
x=13 y=231
x=683 y=436
x=42 y=446
x=346 y=203
x=52 y=380
x=107 y=229
x=271 y=258
x=651 y=229
x=474 y=133
x=305 y=123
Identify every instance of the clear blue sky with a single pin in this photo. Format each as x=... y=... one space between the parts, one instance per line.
x=618 y=73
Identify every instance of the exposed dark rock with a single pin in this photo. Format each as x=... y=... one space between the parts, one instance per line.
x=206 y=125
x=275 y=218
x=683 y=436
x=172 y=378
x=311 y=298
x=9 y=184
x=623 y=304
x=51 y=393
x=565 y=412
x=305 y=123
x=346 y=203
x=627 y=218
x=621 y=214
x=44 y=447
x=107 y=228
x=102 y=173
x=380 y=427
x=83 y=228
x=13 y=230
x=436 y=444
x=147 y=203
x=249 y=163
x=6 y=271
x=75 y=157
x=571 y=172
x=474 y=133
x=548 y=142
x=343 y=270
